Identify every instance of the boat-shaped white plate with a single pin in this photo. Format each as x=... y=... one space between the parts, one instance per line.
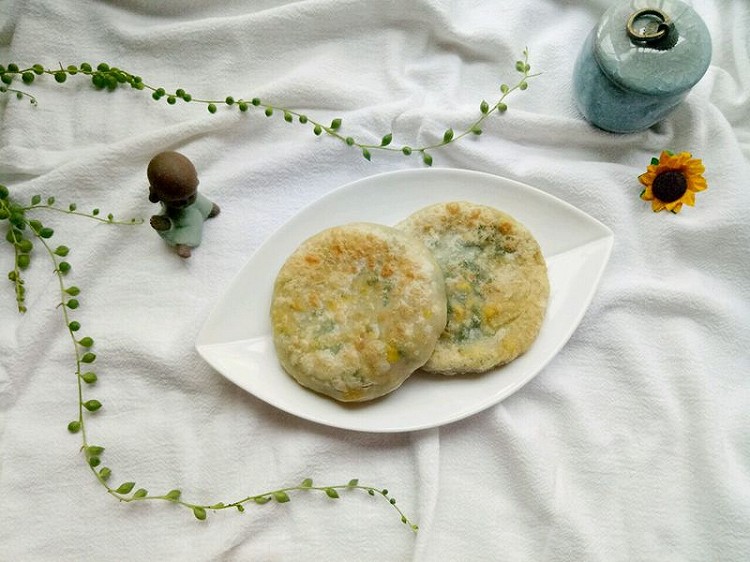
x=236 y=338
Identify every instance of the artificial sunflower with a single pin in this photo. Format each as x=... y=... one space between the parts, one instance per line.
x=672 y=180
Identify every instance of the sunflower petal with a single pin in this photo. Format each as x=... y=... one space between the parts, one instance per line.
x=647 y=179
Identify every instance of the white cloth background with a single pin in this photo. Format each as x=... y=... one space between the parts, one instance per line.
x=632 y=444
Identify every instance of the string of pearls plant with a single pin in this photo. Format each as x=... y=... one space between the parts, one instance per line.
x=106 y=77
x=24 y=232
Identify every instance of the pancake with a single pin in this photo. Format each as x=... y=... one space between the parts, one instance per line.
x=356 y=309
x=496 y=284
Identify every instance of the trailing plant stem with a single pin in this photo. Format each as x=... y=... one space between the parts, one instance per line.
x=18 y=224
x=106 y=77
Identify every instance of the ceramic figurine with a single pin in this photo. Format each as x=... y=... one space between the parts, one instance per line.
x=639 y=63
x=173 y=182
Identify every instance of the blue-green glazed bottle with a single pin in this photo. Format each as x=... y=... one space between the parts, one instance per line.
x=639 y=63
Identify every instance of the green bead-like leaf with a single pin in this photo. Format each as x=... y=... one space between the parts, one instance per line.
x=94 y=450
x=86 y=342
x=140 y=493
x=281 y=497
x=336 y=124
x=74 y=426
x=260 y=500
x=199 y=512
x=349 y=141
x=36 y=199
x=476 y=130
x=229 y=100
x=88 y=357
x=288 y=117
x=306 y=483
x=25 y=245
x=92 y=405
x=504 y=88
x=406 y=150
x=386 y=140
x=46 y=232
x=448 y=135
x=72 y=207
x=89 y=377
x=427 y=159
x=212 y=108
x=523 y=86
x=502 y=108
x=243 y=106
x=269 y=111
x=173 y=495
x=72 y=304
x=317 y=129
x=125 y=488
x=331 y=493
x=484 y=107
x=73 y=291
x=353 y=483
x=654 y=161
x=23 y=261
x=94 y=461
x=105 y=473
x=64 y=267
x=74 y=326
x=366 y=154
x=16 y=219
x=62 y=251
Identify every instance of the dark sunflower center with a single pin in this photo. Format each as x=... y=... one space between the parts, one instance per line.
x=669 y=186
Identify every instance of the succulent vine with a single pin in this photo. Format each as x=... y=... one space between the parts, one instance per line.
x=105 y=77
x=24 y=233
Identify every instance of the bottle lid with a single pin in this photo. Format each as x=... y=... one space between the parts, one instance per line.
x=655 y=47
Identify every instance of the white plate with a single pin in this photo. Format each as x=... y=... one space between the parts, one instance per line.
x=236 y=339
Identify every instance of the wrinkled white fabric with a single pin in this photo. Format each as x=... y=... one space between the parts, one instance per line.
x=632 y=444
